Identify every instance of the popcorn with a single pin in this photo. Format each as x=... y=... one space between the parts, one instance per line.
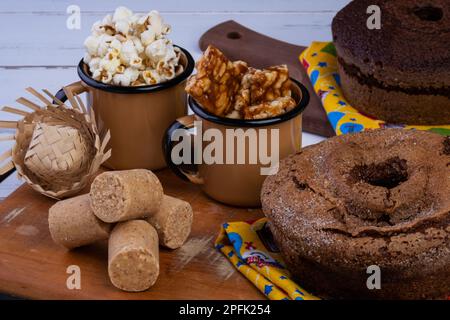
x=147 y=37
x=151 y=77
x=138 y=45
x=107 y=20
x=165 y=69
x=116 y=44
x=120 y=69
x=128 y=52
x=160 y=50
x=128 y=49
x=94 y=64
x=106 y=77
x=109 y=65
x=122 y=27
x=91 y=44
x=87 y=58
x=136 y=62
x=97 y=74
x=154 y=23
x=104 y=44
x=157 y=23
x=121 y=80
x=121 y=13
x=132 y=73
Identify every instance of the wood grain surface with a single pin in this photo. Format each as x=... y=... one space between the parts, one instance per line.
x=33 y=266
x=240 y=43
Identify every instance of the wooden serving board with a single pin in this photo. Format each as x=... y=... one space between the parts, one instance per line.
x=241 y=43
x=33 y=266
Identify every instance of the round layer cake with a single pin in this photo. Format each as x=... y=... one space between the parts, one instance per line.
x=399 y=73
x=378 y=198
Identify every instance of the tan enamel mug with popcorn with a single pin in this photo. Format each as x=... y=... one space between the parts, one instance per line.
x=236 y=183
x=137 y=117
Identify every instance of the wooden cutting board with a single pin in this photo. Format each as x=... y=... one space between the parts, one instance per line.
x=33 y=266
x=241 y=43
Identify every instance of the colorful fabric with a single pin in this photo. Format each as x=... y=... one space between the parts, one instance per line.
x=319 y=60
x=250 y=248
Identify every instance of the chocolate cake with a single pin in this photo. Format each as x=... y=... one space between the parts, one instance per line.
x=399 y=73
x=380 y=198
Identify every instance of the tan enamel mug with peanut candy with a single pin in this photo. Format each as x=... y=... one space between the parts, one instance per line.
x=137 y=117
x=233 y=181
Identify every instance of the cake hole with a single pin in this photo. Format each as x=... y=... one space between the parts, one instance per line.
x=388 y=174
x=234 y=35
x=386 y=219
x=429 y=13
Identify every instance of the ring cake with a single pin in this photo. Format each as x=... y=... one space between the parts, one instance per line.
x=378 y=198
x=400 y=72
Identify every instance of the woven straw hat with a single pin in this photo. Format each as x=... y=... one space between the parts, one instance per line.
x=58 y=148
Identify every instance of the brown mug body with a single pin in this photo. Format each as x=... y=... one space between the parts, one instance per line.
x=137 y=117
x=240 y=184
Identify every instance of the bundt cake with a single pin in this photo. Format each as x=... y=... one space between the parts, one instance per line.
x=376 y=198
x=399 y=73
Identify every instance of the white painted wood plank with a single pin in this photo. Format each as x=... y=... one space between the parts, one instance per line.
x=310 y=139
x=58 y=6
x=44 y=40
x=9 y=185
x=14 y=81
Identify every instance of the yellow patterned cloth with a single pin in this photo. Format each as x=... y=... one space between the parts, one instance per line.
x=319 y=60
x=249 y=247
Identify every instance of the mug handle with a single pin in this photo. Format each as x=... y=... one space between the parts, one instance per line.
x=71 y=90
x=186 y=123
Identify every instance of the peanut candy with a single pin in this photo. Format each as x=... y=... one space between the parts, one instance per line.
x=258 y=87
x=234 y=90
x=267 y=85
x=269 y=109
x=217 y=81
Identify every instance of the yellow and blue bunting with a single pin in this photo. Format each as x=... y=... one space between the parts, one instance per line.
x=256 y=257
x=320 y=63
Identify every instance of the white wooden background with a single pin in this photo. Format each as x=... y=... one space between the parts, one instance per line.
x=37 y=49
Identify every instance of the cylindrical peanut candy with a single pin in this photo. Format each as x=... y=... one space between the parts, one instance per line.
x=133 y=256
x=125 y=195
x=173 y=222
x=73 y=224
